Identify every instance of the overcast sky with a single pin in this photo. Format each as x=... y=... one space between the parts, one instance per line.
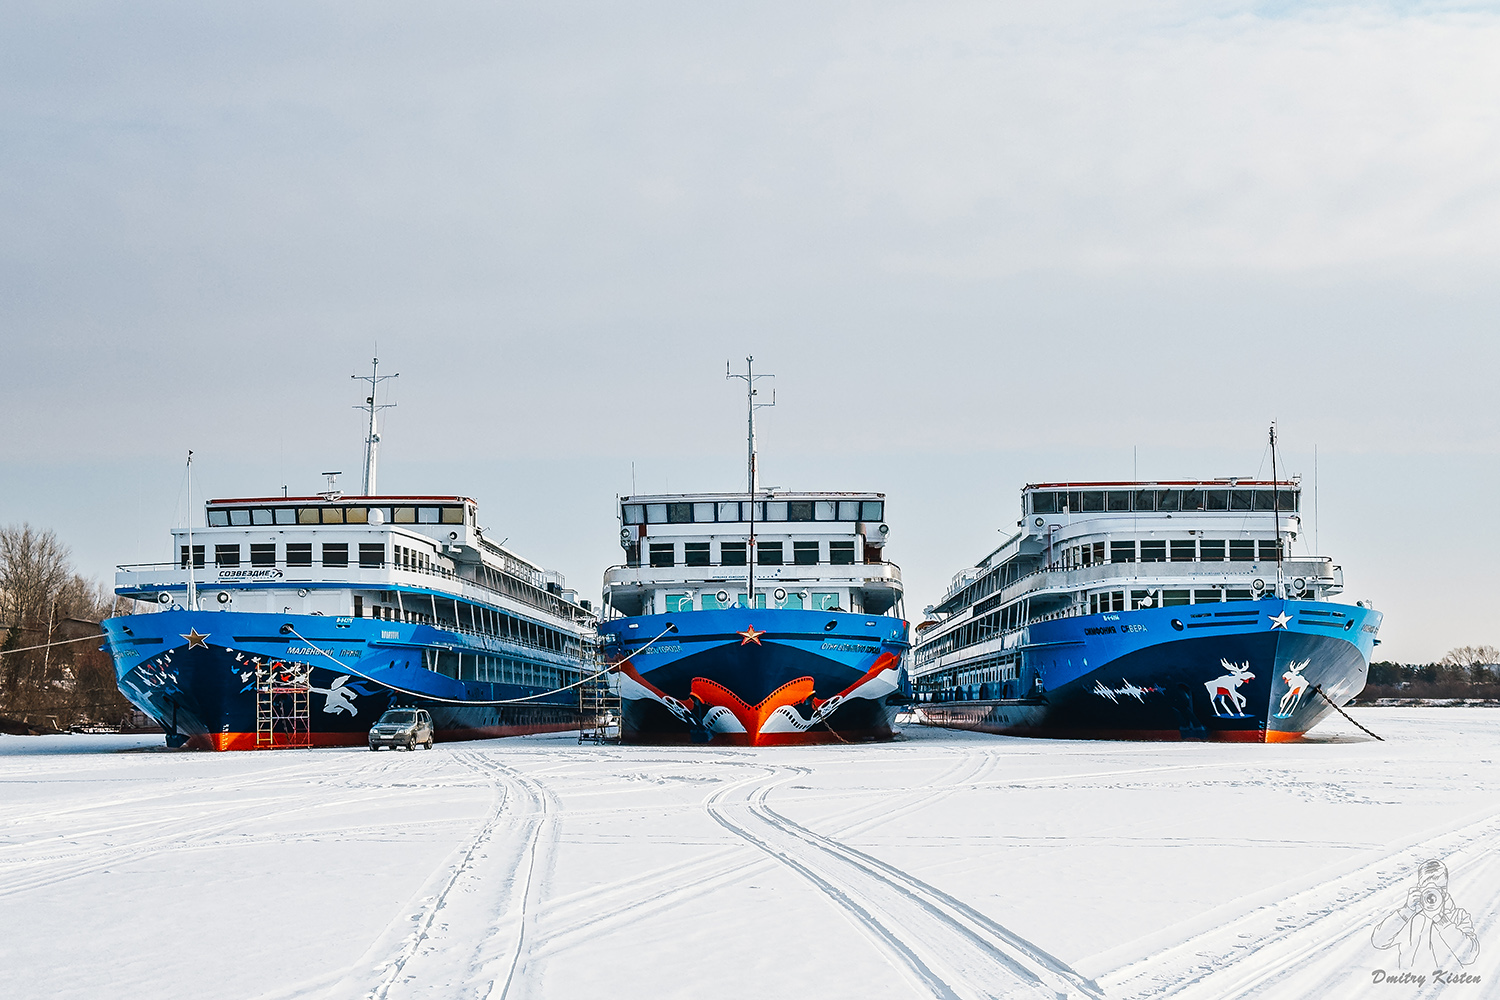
x=979 y=244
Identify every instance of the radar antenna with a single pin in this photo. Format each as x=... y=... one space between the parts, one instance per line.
x=373 y=440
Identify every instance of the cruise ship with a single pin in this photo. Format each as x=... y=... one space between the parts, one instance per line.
x=297 y=621
x=1146 y=610
x=760 y=618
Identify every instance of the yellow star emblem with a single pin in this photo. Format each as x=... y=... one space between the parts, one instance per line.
x=194 y=638
x=750 y=635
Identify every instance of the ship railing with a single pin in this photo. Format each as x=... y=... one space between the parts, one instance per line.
x=1103 y=572
x=540 y=599
x=889 y=572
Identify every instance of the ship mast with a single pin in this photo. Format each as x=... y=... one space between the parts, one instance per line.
x=752 y=472
x=373 y=439
x=1276 y=513
x=192 y=588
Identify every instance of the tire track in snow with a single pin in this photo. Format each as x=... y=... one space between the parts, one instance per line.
x=949 y=950
x=1310 y=937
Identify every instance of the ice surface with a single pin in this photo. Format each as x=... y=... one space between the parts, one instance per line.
x=945 y=865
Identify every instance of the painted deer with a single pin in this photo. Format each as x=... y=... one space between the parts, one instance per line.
x=1295 y=685
x=1223 y=692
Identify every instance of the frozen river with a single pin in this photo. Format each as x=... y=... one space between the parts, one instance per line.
x=944 y=865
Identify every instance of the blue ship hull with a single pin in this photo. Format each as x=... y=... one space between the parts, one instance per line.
x=195 y=673
x=758 y=677
x=1241 y=671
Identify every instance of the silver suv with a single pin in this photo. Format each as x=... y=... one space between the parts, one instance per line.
x=402 y=727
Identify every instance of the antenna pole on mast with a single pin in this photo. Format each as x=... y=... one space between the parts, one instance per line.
x=1276 y=513
x=752 y=472
x=372 y=440
x=192 y=590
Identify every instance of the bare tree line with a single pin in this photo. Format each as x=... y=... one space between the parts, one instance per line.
x=1462 y=672
x=44 y=602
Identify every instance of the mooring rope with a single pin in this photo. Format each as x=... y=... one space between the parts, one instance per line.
x=463 y=701
x=1318 y=688
x=45 y=645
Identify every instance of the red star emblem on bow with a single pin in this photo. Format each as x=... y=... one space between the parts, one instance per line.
x=750 y=635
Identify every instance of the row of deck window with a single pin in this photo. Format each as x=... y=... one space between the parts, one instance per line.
x=244 y=517
x=740 y=510
x=1287 y=498
x=334 y=554
x=1115 y=600
x=1173 y=550
x=809 y=553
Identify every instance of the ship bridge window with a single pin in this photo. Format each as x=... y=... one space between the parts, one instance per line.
x=1093 y=500
x=729 y=511
x=1118 y=500
x=1241 y=550
x=679 y=513
x=335 y=554
x=1191 y=500
x=402 y=515
x=239 y=518
x=774 y=510
x=848 y=510
x=260 y=515
x=662 y=555
x=634 y=513
x=1211 y=550
x=799 y=510
x=1168 y=499
x=841 y=553
x=1264 y=500
x=453 y=515
x=218 y=519
x=805 y=553
x=1241 y=499
x=768 y=553
x=333 y=515
x=732 y=553
x=1143 y=500
x=1153 y=551
x=226 y=555
x=703 y=512
x=357 y=515
x=1121 y=552
x=286 y=515
x=656 y=513
x=1184 y=551
x=307 y=515
x=695 y=554
x=825 y=510
x=872 y=510
x=1044 y=503
x=1215 y=499
x=427 y=515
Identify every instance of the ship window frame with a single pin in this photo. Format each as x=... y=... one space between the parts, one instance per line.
x=262 y=553
x=261 y=517
x=837 y=551
x=704 y=511
x=1242 y=500
x=1191 y=500
x=333 y=515
x=1242 y=550
x=848 y=510
x=372 y=555
x=239 y=518
x=800 y=551
x=1214 y=596
x=227 y=555
x=404 y=515
x=763 y=549
x=633 y=513
x=662 y=550
x=284 y=515
x=1152 y=545
x=1043 y=506
x=1117 y=500
x=1219 y=544
x=739 y=549
x=1179 y=545
x=695 y=553
x=1143 y=500
x=729 y=510
x=680 y=512
x=872 y=510
x=774 y=510
x=799 y=510
x=825 y=510
x=309 y=515
x=1176 y=598
x=452 y=514
x=429 y=515
x=1168 y=500
x=218 y=519
x=296 y=551
x=356 y=515
x=1265 y=501
x=1115 y=548
x=1215 y=499
x=340 y=553
x=1093 y=501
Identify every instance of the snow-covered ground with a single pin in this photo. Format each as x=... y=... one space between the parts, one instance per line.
x=945 y=865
